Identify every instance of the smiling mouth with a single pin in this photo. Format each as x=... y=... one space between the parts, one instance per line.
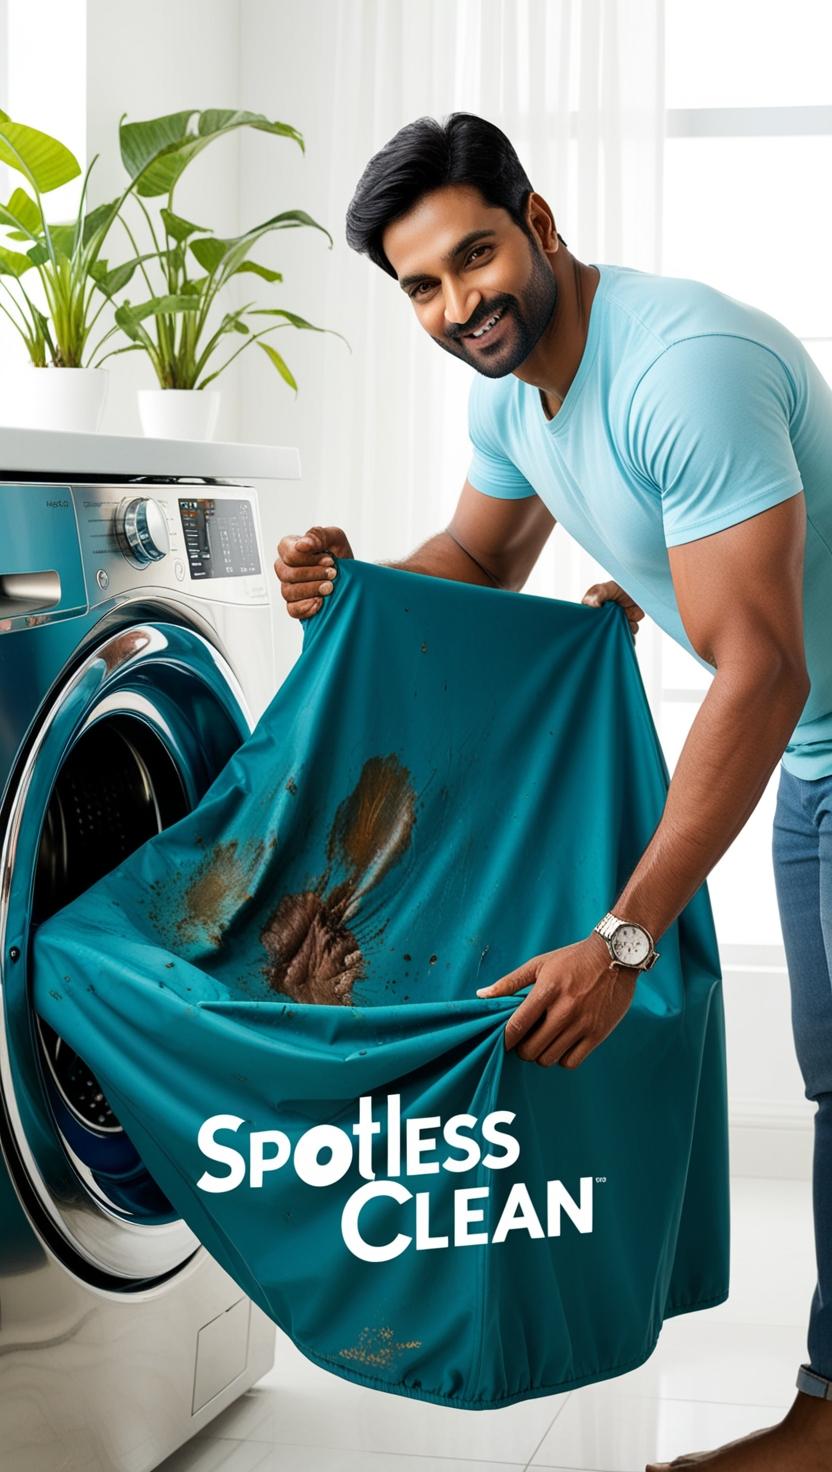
x=487 y=327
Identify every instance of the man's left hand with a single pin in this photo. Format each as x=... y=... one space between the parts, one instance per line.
x=576 y=1001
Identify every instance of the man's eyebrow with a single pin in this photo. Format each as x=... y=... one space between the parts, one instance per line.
x=461 y=245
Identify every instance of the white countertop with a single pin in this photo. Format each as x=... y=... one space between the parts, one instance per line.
x=64 y=454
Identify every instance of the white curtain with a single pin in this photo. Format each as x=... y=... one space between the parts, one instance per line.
x=578 y=87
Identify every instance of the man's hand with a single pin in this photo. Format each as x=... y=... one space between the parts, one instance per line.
x=306 y=569
x=613 y=592
x=576 y=1001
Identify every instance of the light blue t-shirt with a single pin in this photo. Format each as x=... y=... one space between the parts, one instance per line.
x=690 y=411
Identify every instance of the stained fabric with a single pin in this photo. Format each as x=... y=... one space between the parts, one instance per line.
x=277 y=997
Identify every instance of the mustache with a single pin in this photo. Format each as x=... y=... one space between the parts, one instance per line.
x=484 y=317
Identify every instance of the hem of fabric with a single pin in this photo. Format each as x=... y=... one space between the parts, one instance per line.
x=803 y=763
x=503 y=495
x=720 y=522
x=532 y=1392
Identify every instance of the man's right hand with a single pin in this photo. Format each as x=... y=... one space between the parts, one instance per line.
x=306 y=569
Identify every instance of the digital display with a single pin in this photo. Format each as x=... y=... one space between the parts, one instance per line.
x=220 y=537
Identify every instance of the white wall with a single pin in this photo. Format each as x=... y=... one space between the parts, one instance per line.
x=146 y=61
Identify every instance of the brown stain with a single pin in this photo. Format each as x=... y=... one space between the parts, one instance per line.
x=219 y=886
x=315 y=957
x=378 y=1347
x=314 y=953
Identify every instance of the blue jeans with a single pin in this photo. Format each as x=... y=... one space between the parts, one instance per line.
x=802 y=854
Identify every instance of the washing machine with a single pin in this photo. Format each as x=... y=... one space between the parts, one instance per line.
x=136 y=654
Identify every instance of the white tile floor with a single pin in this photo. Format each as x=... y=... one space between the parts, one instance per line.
x=714 y=1375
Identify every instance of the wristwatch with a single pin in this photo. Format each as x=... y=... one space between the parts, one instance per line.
x=630 y=945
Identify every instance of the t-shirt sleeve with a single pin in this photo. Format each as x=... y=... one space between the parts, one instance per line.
x=708 y=426
x=491 y=470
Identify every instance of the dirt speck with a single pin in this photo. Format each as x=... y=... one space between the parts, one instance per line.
x=292 y=786
x=378 y=1347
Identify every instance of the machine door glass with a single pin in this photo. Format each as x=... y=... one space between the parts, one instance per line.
x=127 y=746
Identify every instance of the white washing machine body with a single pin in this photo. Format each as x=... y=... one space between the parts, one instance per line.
x=136 y=653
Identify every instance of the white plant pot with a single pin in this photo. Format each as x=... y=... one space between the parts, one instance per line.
x=53 y=398
x=179 y=413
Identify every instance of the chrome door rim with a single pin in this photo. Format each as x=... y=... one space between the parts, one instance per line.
x=103 y=1237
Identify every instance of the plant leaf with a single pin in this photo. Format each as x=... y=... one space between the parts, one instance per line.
x=273 y=355
x=12 y=263
x=178 y=227
x=49 y=162
x=295 y=321
x=96 y=218
x=111 y=281
x=22 y=209
x=257 y=270
x=129 y=317
x=155 y=151
x=229 y=255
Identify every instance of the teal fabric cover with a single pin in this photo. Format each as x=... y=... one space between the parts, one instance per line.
x=450 y=780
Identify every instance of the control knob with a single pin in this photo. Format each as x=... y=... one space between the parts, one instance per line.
x=144 y=530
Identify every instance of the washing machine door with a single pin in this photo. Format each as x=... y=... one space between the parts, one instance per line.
x=128 y=745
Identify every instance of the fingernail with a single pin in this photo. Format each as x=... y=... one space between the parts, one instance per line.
x=324 y=587
x=481 y=990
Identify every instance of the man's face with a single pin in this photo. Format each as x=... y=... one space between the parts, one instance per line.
x=461 y=262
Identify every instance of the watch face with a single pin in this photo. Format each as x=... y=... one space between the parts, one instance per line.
x=630 y=944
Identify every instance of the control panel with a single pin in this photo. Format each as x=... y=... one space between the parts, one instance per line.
x=200 y=539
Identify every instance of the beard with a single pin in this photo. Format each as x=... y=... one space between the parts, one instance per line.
x=528 y=319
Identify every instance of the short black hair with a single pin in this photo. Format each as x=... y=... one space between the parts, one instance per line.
x=425 y=155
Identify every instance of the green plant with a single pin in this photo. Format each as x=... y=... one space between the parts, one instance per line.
x=171 y=325
x=65 y=257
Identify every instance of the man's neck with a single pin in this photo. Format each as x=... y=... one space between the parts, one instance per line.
x=554 y=362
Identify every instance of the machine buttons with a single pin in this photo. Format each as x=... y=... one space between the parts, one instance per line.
x=102 y=577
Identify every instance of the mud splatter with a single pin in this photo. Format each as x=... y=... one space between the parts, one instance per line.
x=314 y=953
x=315 y=957
x=378 y=1347
x=218 y=888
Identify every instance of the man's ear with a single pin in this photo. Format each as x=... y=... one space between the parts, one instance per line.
x=542 y=221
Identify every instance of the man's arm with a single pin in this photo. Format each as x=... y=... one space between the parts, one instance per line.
x=490 y=540
x=740 y=595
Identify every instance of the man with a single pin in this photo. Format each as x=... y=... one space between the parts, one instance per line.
x=685 y=439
